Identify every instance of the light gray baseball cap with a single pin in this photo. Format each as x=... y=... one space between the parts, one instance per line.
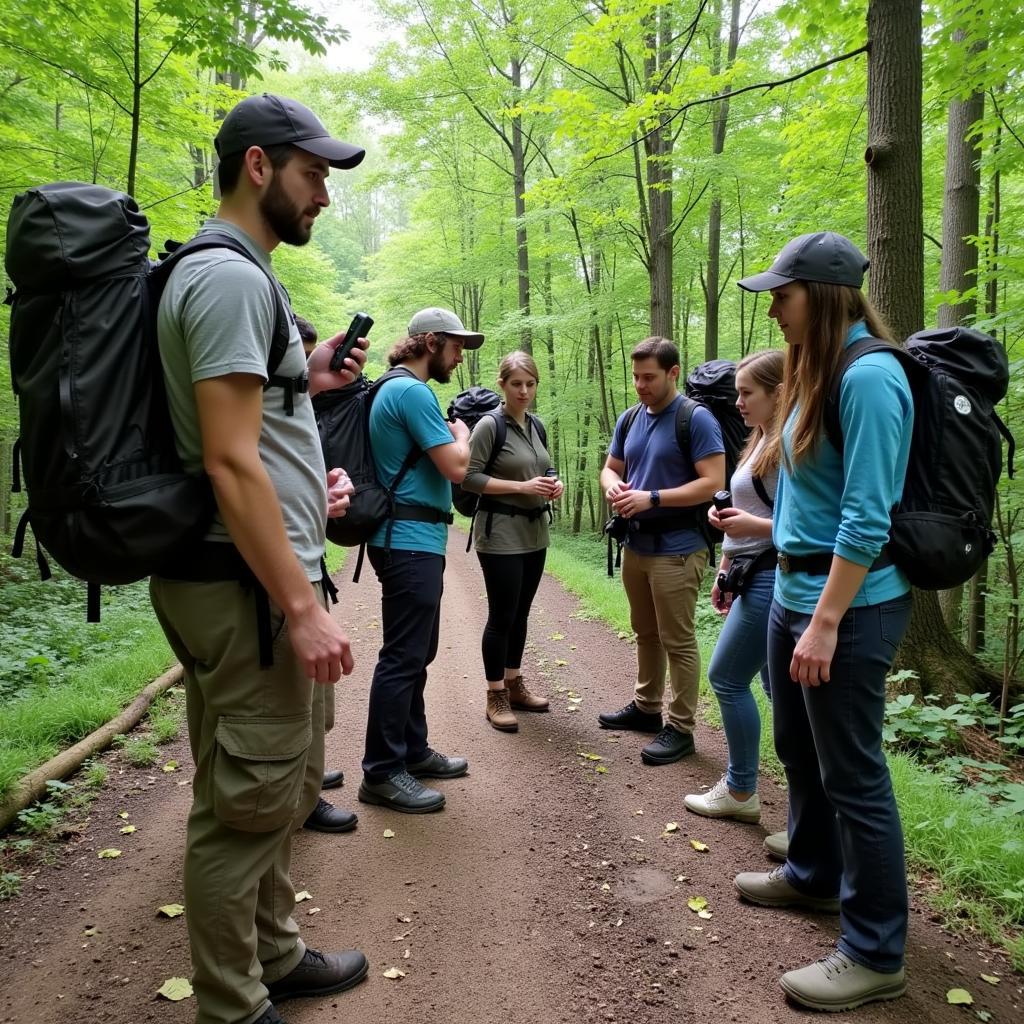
x=443 y=321
x=823 y=256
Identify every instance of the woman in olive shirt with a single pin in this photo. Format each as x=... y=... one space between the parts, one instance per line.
x=510 y=534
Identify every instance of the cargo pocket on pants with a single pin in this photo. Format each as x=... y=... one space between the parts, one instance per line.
x=258 y=770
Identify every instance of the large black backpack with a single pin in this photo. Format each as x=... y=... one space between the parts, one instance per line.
x=941 y=527
x=107 y=495
x=343 y=419
x=471 y=406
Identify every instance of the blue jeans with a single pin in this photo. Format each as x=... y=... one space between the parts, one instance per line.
x=845 y=835
x=412 y=583
x=742 y=652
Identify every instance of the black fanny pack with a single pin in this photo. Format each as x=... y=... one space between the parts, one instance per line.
x=736 y=579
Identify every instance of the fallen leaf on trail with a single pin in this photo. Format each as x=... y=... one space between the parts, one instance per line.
x=171 y=766
x=405 y=920
x=601 y=770
x=638 y=812
x=176 y=690
x=407 y=954
x=109 y=854
x=123 y=814
x=671 y=827
x=576 y=700
x=983 y=1015
x=682 y=878
x=561 y=662
x=175 y=989
x=992 y=979
x=128 y=830
x=557 y=636
x=312 y=911
x=393 y=974
x=699 y=846
x=638 y=839
x=572 y=647
x=704 y=914
x=90 y=931
x=959 y=997
x=586 y=846
x=389 y=834
x=572 y=707
x=618 y=924
x=171 y=910
x=696 y=903
x=302 y=896
x=590 y=757
x=606 y=887
x=404 y=935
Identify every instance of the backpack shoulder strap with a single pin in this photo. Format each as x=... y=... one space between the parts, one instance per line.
x=684 y=414
x=214 y=240
x=862 y=347
x=500 y=433
x=415 y=452
x=538 y=425
x=761 y=491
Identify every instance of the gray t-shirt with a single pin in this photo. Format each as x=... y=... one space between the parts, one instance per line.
x=744 y=497
x=216 y=317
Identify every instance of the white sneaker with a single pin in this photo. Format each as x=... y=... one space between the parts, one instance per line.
x=718 y=802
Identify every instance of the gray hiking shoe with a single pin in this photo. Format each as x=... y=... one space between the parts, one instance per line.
x=770 y=889
x=835 y=982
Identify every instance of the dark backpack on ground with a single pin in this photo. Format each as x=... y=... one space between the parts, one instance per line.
x=343 y=419
x=941 y=527
x=712 y=385
x=471 y=406
x=107 y=495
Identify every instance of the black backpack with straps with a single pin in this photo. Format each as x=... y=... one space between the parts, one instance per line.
x=343 y=419
x=941 y=527
x=108 y=497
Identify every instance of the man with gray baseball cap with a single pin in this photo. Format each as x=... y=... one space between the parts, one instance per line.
x=443 y=321
x=823 y=256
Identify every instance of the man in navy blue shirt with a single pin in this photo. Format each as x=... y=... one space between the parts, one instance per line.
x=659 y=489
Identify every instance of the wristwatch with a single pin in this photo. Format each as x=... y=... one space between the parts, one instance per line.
x=655 y=498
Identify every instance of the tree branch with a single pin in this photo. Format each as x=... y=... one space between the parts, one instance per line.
x=999 y=114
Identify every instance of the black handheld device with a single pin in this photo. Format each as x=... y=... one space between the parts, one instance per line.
x=722 y=499
x=359 y=328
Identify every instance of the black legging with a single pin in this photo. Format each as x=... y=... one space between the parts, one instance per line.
x=511 y=582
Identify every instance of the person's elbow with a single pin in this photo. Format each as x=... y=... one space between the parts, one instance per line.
x=451 y=461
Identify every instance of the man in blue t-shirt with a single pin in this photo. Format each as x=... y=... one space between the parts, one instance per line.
x=660 y=490
x=407 y=553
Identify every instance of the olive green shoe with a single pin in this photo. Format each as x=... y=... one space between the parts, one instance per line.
x=777 y=845
x=835 y=982
x=771 y=889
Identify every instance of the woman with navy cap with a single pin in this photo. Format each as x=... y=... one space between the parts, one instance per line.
x=840 y=610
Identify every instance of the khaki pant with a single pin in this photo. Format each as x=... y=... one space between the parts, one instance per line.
x=257 y=738
x=662 y=593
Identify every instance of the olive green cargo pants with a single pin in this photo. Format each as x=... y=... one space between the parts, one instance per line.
x=257 y=738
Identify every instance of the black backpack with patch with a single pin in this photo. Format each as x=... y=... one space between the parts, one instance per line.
x=941 y=527
x=107 y=495
x=343 y=419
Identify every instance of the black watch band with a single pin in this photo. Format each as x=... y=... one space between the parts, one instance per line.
x=655 y=498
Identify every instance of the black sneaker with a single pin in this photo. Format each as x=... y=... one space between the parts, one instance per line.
x=401 y=792
x=438 y=766
x=328 y=818
x=668 y=746
x=320 y=974
x=630 y=717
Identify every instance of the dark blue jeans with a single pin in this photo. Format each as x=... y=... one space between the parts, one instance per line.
x=412 y=583
x=845 y=835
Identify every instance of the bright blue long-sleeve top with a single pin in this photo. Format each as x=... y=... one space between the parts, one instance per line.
x=841 y=504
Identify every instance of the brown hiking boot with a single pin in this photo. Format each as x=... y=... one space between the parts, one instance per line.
x=499 y=711
x=520 y=697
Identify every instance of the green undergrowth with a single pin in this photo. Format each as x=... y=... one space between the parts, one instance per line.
x=953 y=836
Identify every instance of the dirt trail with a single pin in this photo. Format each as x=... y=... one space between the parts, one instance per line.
x=546 y=892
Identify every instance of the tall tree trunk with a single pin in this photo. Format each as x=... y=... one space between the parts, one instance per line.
x=712 y=292
x=658 y=150
x=960 y=215
x=519 y=188
x=133 y=146
x=895 y=248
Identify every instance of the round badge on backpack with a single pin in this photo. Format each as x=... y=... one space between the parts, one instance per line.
x=962 y=405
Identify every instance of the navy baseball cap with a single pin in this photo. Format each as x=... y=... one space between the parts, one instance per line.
x=269 y=120
x=823 y=256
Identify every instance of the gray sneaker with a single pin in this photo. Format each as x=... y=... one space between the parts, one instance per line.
x=401 y=792
x=777 y=845
x=770 y=889
x=835 y=982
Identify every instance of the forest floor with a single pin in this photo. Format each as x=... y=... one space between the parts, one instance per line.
x=548 y=890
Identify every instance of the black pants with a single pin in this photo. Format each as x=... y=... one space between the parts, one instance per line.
x=412 y=583
x=511 y=582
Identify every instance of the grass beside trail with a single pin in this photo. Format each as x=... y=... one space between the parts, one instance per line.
x=976 y=855
x=70 y=702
